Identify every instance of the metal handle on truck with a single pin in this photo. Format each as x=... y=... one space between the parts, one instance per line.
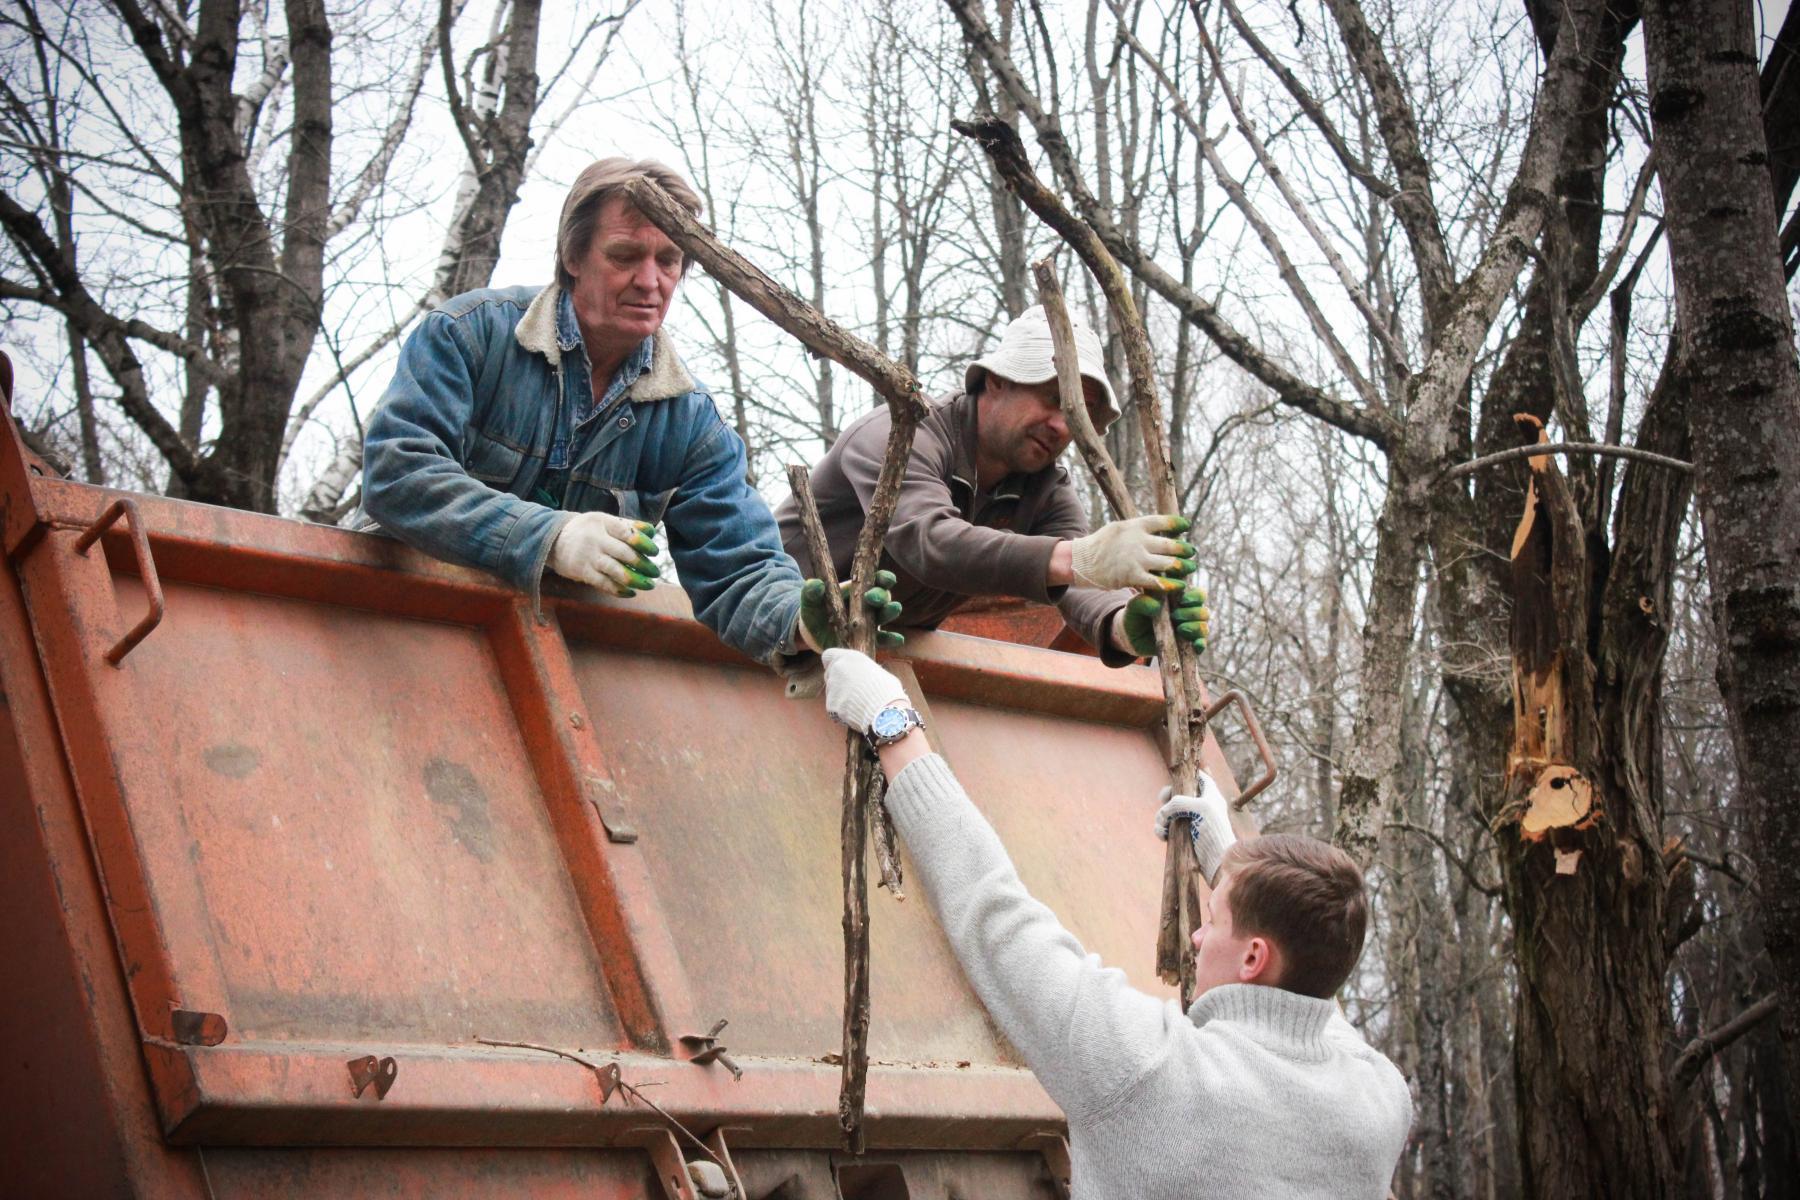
x=1256 y=735
x=140 y=545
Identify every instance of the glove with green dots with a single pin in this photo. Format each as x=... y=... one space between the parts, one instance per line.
x=1189 y=612
x=815 y=615
x=611 y=553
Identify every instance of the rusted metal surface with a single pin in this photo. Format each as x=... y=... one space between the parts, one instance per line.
x=351 y=804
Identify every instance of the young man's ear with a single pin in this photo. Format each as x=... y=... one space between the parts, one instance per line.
x=1261 y=962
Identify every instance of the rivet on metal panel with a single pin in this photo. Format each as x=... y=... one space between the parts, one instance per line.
x=1256 y=735
x=197 y=1028
x=140 y=546
x=706 y=1048
x=368 y=1069
x=605 y=798
x=1055 y=1149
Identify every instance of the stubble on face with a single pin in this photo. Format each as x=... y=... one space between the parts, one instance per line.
x=624 y=283
x=1021 y=427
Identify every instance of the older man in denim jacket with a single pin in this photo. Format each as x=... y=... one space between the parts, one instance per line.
x=529 y=429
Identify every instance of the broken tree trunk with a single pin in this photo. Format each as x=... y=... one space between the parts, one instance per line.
x=900 y=390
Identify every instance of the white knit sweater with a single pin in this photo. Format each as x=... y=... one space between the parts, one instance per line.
x=1253 y=1092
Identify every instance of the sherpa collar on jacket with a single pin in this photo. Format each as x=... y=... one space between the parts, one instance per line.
x=666 y=378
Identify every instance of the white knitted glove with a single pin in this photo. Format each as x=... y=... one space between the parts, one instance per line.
x=1134 y=553
x=856 y=689
x=611 y=553
x=1210 y=823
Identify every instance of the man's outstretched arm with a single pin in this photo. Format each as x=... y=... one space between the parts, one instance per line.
x=1079 y=1025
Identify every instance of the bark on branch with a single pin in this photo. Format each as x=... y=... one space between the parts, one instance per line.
x=1532 y=451
x=1697 y=1053
x=900 y=390
x=1175 y=659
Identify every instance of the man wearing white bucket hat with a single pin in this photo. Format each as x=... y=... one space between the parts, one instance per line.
x=984 y=509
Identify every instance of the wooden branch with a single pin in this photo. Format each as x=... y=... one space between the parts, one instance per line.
x=459 y=112
x=1175 y=659
x=1532 y=451
x=1396 y=354
x=898 y=387
x=1001 y=143
x=1414 y=203
x=1315 y=112
x=895 y=384
x=1701 y=1050
x=1265 y=232
x=1074 y=403
x=1492 y=891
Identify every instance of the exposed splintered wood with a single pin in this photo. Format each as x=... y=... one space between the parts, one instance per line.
x=1549 y=792
x=1559 y=799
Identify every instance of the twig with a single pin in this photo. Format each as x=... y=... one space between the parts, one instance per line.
x=1700 y=1051
x=1535 y=449
x=900 y=389
x=1468 y=870
x=617 y=1080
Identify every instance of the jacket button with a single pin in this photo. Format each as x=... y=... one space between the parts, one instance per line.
x=624 y=422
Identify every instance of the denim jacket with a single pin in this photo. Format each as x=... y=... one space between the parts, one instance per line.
x=464 y=432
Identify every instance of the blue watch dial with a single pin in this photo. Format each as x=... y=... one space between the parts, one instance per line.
x=888 y=722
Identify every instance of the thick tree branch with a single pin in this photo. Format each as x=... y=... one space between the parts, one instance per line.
x=1003 y=147
x=1697 y=1053
x=1414 y=203
x=106 y=332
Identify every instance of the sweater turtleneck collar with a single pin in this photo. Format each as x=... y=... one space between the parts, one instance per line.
x=1286 y=1022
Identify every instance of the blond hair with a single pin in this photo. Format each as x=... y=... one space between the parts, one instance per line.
x=599 y=182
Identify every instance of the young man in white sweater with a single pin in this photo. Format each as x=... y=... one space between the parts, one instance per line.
x=1260 y=1089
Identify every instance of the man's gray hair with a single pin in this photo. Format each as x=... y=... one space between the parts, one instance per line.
x=598 y=183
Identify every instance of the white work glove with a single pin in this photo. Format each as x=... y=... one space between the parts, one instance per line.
x=611 y=553
x=1210 y=822
x=1133 y=553
x=856 y=688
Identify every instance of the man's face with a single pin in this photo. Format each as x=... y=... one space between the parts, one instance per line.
x=1221 y=954
x=624 y=284
x=1022 y=427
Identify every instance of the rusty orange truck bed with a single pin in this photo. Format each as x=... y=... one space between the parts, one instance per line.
x=295 y=824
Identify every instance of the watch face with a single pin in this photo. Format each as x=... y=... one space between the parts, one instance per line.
x=888 y=722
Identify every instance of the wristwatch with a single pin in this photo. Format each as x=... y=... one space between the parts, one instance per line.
x=891 y=724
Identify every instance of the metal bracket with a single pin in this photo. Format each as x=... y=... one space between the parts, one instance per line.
x=1256 y=735
x=703 y=1178
x=140 y=546
x=1055 y=1149
x=193 y=1028
x=603 y=794
x=705 y=1048
x=371 y=1070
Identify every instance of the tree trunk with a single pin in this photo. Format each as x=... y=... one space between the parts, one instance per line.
x=1738 y=340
